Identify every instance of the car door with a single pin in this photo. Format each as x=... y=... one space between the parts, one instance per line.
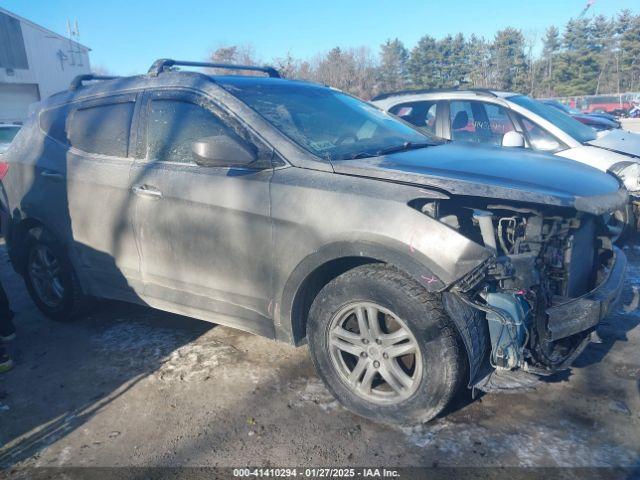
x=204 y=232
x=99 y=161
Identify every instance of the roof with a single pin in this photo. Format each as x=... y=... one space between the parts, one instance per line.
x=41 y=28
x=86 y=87
x=476 y=91
x=246 y=80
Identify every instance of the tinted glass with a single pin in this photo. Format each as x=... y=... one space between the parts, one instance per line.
x=567 y=124
x=326 y=122
x=479 y=122
x=421 y=114
x=499 y=121
x=53 y=123
x=174 y=125
x=102 y=129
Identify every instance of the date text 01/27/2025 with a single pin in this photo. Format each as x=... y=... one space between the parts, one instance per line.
x=316 y=472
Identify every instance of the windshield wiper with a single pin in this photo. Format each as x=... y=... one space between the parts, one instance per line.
x=358 y=155
x=396 y=148
x=404 y=147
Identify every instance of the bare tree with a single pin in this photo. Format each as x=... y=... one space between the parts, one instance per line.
x=238 y=54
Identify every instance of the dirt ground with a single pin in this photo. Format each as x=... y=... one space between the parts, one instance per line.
x=130 y=386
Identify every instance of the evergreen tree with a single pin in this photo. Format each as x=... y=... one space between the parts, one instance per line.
x=550 y=50
x=628 y=27
x=509 y=60
x=393 y=65
x=423 y=63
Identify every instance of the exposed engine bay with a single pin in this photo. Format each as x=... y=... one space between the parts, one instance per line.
x=545 y=258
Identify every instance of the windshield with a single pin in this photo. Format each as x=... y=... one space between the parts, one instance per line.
x=7 y=133
x=564 y=122
x=563 y=107
x=326 y=122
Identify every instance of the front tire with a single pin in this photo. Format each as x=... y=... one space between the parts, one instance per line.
x=51 y=280
x=384 y=346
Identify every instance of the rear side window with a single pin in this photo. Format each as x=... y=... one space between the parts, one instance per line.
x=102 y=129
x=174 y=125
x=463 y=122
x=421 y=114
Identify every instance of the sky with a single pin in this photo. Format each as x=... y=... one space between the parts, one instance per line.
x=127 y=35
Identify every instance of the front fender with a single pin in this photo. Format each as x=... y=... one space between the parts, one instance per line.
x=289 y=322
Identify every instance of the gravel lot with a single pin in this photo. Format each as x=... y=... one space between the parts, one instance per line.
x=130 y=386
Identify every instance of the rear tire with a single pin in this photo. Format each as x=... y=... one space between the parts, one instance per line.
x=344 y=309
x=51 y=280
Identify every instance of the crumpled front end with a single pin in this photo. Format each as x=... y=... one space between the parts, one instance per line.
x=554 y=275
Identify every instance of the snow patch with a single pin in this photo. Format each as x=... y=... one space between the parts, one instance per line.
x=161 y=352
x=313 y=391
x=532 y=445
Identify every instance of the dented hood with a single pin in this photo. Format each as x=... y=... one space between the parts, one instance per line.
x=498 y=173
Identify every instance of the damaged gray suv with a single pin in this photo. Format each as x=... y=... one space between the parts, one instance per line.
x=409 y=265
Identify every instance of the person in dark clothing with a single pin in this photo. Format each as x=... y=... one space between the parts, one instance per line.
x=7 y=330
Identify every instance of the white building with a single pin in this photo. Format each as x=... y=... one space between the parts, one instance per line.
x=34 y=64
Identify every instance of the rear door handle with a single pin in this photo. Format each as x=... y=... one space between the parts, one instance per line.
x=146 y=191
x=51 y=175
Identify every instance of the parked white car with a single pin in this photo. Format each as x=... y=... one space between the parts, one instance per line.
x=514 y=120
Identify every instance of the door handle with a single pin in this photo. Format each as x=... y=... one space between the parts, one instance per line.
x=146 y=191
x=51 y=175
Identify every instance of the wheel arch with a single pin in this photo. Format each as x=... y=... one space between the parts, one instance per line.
x=19 y=229
x=327 y=263
x=17 y=234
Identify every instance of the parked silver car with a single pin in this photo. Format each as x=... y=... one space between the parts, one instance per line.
x=514 y=120
x=410 y=266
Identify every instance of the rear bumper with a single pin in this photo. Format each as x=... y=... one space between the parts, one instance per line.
x=583 y=313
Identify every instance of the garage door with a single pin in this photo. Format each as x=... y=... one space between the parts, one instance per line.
x=15 y=99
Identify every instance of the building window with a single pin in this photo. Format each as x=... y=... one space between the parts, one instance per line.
x=12 y=51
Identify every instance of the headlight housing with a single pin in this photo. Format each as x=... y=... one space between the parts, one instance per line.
x=629 y=174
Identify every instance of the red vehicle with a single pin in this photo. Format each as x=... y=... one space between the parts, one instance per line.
x=614 y=104
x=597 y=121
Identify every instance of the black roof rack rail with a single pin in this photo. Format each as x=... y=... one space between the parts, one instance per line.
x=159 y=66
x=76 y=83
x=479 y=91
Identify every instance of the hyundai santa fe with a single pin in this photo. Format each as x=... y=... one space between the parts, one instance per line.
x=410 y=266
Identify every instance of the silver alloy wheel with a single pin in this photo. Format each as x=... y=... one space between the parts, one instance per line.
x=44 y=272
x=374 y=353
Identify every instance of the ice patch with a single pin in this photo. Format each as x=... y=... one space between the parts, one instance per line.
x=533 y=444
x=161 y=352
x=195 y=362
x=63 y=456
x=313 y=391
x=423 y=435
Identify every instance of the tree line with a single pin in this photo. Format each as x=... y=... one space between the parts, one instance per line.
x=587 y=56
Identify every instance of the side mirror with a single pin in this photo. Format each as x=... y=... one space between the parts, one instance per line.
x=513 y=139
x=222 y=151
